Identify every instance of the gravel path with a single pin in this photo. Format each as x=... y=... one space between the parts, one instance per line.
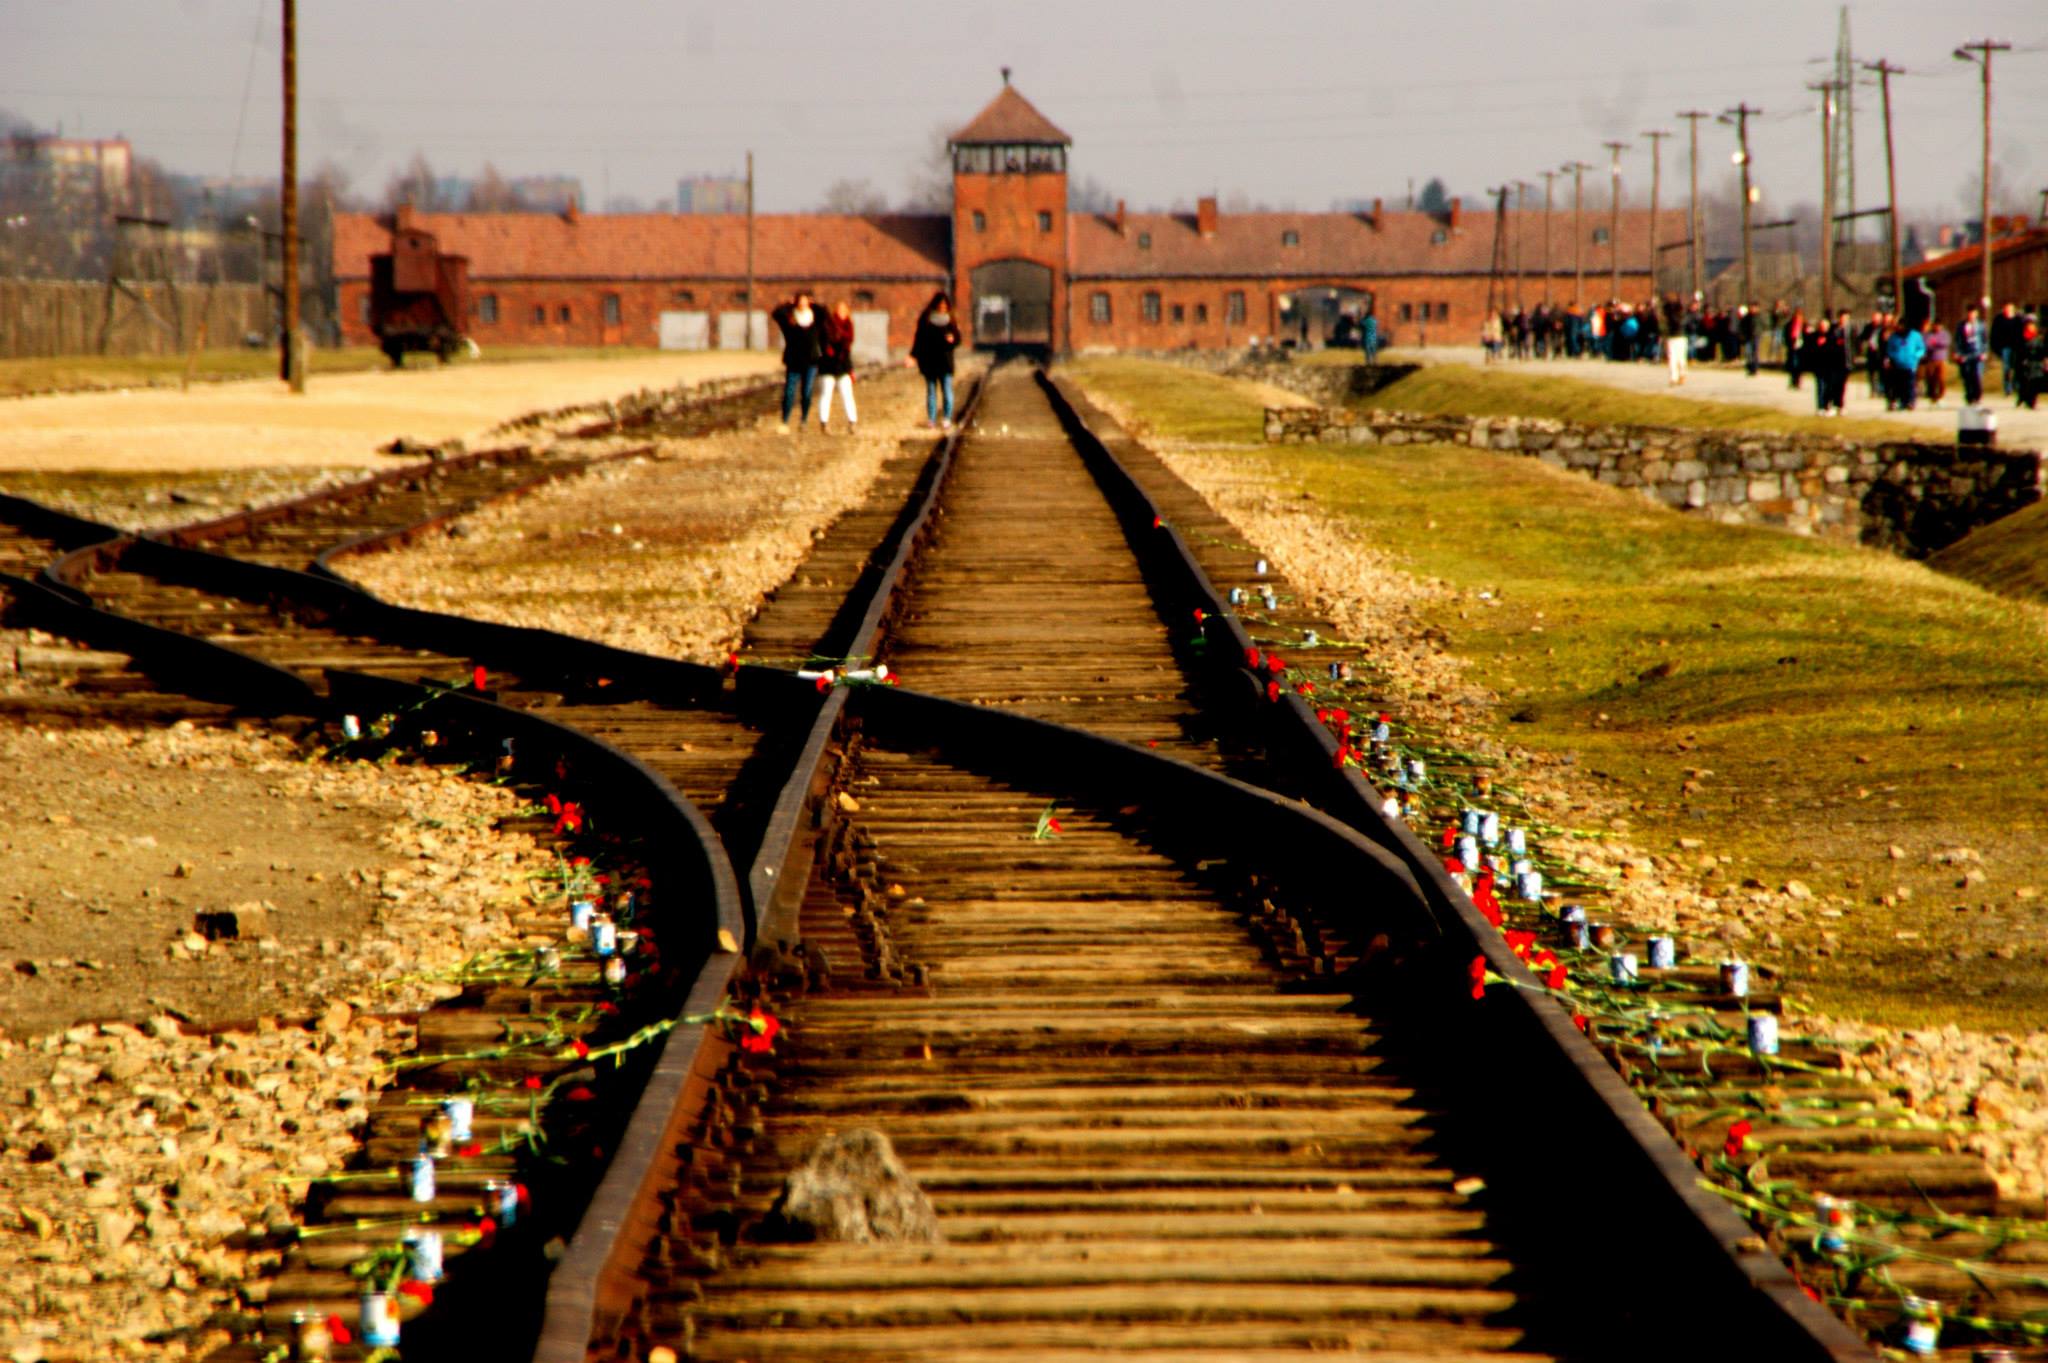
x=668 y=555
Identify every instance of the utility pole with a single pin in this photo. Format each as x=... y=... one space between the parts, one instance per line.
x=1692 y=216
x=1885 y=71
x=1549 y=178
x=1578 y=170
x=1496 y=284
x=1985 y=47
x=1614 y=219
x=747 y=322
x=1656 y=136
x=1741 y=114
x=1521 y=216
x=1826 y=90
x=292 y=364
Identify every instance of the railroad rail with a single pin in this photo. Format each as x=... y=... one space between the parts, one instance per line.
x=1188 y=1066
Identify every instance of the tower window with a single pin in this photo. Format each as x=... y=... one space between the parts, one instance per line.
x=980 y=221
x=1290 y=238
x=1098 y=308
x=1044 y=221
x=1150 y=306
x=1144 y=241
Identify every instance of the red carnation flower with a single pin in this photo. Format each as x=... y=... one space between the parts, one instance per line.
x=581 y=1047
x=1273 y=691
x=525 y=1198
x=1738 y=1139
x=486 y=1230
x=1275 y=664
x=580 y=1094
x=759 y=1037
x=533 y=1081
x=470 y=1151
x=1450 y=837
x=553 y=803
x=1580 y=1021
x=1521 y=943
x=1554 y=978
x=607 y=1007
x=1478 y=972
x=423 y=1293
x=1200 y=615
x=822 y=686
x=1251 y=659
x=338 y=1330
x=479 y=677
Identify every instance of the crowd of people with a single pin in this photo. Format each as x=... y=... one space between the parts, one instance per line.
x=817 y=344
x=1903 y=361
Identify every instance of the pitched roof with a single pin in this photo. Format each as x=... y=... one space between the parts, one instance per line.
x=1010 y=117
x=792 y=246
x=1349 y=244
x=1972 y=256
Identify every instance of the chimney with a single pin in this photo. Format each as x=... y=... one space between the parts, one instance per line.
x=401 y=219
x=1205 y=215
x=569 y=210
x=1119 y=219
x=1456 y=207
x=1378 y=219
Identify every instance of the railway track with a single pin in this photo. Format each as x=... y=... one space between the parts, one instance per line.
x=1188 y=1068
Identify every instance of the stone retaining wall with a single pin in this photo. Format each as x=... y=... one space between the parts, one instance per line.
x=1910 y=497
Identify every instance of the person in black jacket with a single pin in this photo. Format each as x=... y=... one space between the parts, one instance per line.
x=803 y=333
x=835 y=366
x=931 y=350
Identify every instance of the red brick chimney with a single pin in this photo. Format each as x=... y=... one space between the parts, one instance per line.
x=1205 y=215
x=569 y=211
x=1456 y=212
x=1119 y=218
x=401 y=218
x=1378 y=219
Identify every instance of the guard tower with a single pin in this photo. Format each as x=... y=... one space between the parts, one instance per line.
x=1010 y=226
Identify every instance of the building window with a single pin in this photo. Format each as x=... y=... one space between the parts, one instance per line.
x=1044 y=221
x=683 y=296
x=611 y=309
x=1144 y=241
x=1180 y=312
x=739 y=296
x=1443 y=312
x=365 y=309
x=1201 y=312
x=971 y=160
x=1150 y=306
x=1233 y=307
x=980 y=221
x=1439 y=237
x=1098 y=309
x=487 y=309
x=540 y=314
x=864 y=298
x=1290 y=238
x=562 y=313
x=1599 y=236
x=1408 y=312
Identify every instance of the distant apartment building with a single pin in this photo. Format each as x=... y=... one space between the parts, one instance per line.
x=711 y=194
x=99 y=170
x=547 y=193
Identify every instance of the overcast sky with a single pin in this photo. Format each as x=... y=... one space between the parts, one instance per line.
x=1295 y=104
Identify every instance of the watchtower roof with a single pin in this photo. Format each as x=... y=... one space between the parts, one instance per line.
x=1010 y=117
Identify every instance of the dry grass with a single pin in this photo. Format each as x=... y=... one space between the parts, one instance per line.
x=1842 y=702
x=2009 y=556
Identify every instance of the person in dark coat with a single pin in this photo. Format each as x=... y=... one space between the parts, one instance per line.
x=803 y=332
x=931 y=350
x=835 y=365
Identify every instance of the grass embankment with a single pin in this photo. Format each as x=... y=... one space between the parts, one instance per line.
x=1802 y=707
x=90 y=373
x=2009 y=556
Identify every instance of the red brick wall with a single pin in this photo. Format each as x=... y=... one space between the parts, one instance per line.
x=1465 y=296
x=1010 y=205
x=640 y=304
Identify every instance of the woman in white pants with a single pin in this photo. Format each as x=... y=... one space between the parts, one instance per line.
x=835 y=365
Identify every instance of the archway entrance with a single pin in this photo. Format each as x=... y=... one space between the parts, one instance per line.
x=1323 y=315
x=1012 y=304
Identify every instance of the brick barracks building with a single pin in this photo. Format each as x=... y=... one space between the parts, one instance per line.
x=1022 y=269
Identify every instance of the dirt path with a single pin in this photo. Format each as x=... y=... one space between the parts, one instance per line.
x=340 y=421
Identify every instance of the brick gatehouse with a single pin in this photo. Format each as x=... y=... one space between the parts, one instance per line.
x=1023 y=269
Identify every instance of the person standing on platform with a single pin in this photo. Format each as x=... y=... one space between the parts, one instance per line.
x=2005 y=342
x=1904 y=348
x=1934 y=368
x=931 y=350
x=1969 y=353
x=1830 y=364
x=1369 y=336
x=1752 y=342
x=835 y=365
x=1795 y=345
x=802 y=333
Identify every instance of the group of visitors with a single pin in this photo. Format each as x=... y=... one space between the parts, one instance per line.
x=1904 y=361
x=817 y=343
